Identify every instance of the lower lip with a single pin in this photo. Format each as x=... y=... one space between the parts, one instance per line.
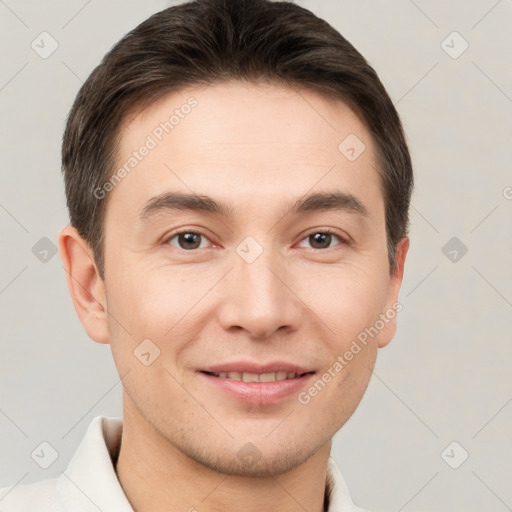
x=258 y=393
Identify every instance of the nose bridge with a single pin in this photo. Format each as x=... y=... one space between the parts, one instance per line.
x=258 y=298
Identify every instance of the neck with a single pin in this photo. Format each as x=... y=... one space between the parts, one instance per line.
x=157 y=476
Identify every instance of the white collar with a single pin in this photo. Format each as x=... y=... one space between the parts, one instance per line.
x=90 y=481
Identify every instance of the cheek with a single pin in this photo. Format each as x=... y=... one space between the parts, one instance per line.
x=151 y=302
x=347 y=376
x=349 y=299
x=356 y=376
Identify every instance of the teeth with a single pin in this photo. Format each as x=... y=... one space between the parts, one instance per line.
x=257 y=377
x=267 y=377
x=250 y=377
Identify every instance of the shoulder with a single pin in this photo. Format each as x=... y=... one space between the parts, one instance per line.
x=36 y=497
x=88 y=482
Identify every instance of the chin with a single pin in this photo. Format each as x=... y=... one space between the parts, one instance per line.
x=254 y=457
x=251 y=462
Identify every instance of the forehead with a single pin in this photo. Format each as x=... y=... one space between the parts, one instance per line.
x=244 y=112
x=239 y=141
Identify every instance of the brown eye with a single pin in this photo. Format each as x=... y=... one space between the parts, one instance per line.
x=322 y=239
x=187 y=240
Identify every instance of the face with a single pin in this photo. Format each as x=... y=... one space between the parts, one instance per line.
x=245 y=241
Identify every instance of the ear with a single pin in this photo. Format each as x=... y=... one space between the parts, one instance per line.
x=85 y=285
x=393 y=307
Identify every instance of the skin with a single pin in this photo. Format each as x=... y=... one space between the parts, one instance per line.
x=258 y=148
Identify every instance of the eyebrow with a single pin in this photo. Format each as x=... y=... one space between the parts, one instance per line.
x=315 y=202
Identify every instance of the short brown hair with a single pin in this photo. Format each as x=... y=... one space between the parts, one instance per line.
x=211 y=41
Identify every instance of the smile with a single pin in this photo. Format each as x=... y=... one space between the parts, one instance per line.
x=257 y=388
x=257 y=377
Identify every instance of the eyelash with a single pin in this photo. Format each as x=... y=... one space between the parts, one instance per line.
x=343 y=240
x=328 y=231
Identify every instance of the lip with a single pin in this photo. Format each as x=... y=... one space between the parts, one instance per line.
x=247 y=367
x=257 y=393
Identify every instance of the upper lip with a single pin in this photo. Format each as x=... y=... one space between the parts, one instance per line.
x=247 y=367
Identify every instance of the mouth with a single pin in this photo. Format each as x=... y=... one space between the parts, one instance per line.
x=257 y=388
x=258 y=377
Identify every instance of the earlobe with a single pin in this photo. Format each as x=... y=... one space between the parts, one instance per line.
x=393 y=305
x=84 y=283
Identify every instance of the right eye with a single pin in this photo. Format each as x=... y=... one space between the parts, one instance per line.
x=186 y=240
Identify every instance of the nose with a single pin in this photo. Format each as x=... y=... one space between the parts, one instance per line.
x=259 y=297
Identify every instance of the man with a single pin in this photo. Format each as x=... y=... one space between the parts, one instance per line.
x=238 y=184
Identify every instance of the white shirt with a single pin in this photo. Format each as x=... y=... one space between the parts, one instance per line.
x=90 y=483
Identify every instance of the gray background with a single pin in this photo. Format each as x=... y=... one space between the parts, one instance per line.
x=447 y=374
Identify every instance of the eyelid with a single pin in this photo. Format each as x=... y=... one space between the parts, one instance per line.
x=169 y=236
x=345 y=239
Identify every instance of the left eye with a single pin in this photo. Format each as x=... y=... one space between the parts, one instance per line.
x=188 y=240
x=322 y=239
